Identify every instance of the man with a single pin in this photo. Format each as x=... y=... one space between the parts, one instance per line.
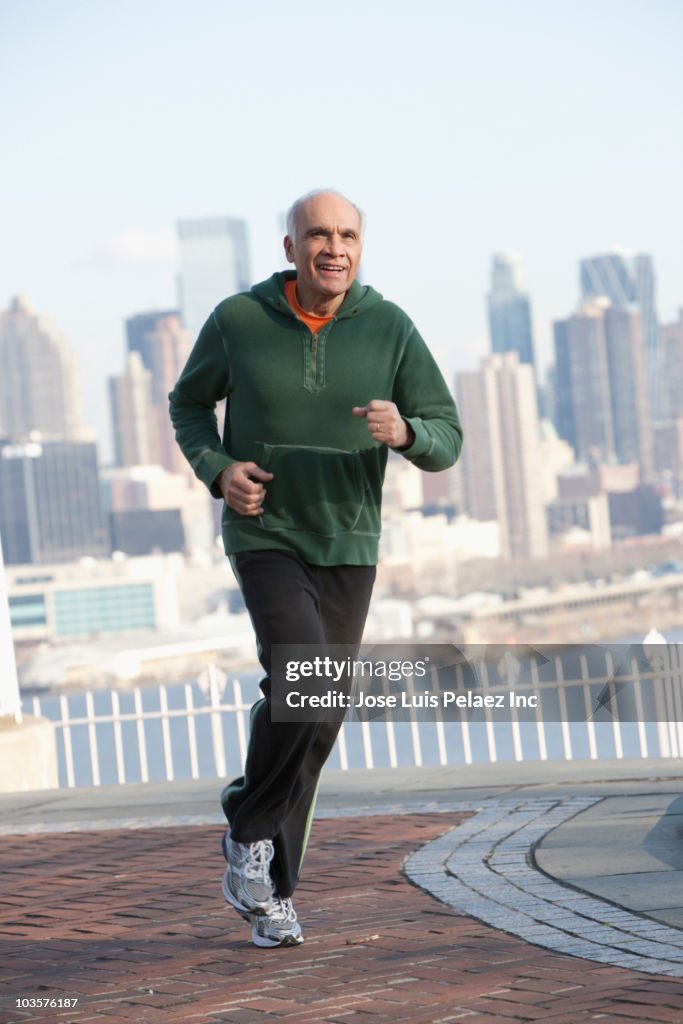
x=322 y=376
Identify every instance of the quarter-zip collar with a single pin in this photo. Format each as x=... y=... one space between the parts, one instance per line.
x=357 y=299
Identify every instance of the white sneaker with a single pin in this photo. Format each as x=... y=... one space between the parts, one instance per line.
x=279 y=927
x=247 y=885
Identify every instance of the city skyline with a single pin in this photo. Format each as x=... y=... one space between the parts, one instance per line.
x=601 y=419
x=173 y=349
x=461 y=133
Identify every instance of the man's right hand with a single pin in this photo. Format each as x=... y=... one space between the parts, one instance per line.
x=241 y=484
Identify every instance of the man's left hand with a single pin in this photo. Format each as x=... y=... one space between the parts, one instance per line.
x=385 y=423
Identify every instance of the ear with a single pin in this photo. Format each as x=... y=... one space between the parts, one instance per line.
x=289 y=249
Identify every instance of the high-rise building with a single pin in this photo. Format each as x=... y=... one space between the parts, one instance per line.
x=38 y=379
x=672 y=343
x=50 y=506
x=628 y=387
x=582 y=393
x=668 y=433
x=509 y=309
x=163 y=345
x=628 y=279
x=134 y=421
x=667 y=445
x=500 y=464
x=214 y=263
x=601 y=394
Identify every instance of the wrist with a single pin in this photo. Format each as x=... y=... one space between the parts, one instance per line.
x=407 y=441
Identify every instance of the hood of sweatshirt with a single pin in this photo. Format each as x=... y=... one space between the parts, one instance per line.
x=271 y=292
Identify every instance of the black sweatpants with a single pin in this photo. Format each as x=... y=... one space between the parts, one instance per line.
x=290 y=602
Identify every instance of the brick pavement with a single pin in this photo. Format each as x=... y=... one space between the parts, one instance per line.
x=133 y=924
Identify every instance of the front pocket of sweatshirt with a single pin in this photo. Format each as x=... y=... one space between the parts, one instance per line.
x=316 y=490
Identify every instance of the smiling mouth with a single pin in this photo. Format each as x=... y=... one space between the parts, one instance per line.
x=331 y=268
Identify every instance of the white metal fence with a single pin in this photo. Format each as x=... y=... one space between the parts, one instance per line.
x=194 y=731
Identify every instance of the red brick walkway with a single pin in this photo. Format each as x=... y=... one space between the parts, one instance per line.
x=133 y=924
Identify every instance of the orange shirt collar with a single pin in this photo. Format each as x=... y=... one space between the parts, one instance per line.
x=313 y=322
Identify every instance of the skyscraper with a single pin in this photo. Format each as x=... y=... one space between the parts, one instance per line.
x=50 y=508
x=38 y=380
x=628 y=387
x=668 y=433
x=500 y=464
x=163 y=345
x=628 y=279
x=583 y=402
x=134 y=422
x=509 y=309
x=601 y=392
x=672 y=343
x=214 y=263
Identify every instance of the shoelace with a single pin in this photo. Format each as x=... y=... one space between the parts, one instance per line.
x=258 y=861
x=283 y=910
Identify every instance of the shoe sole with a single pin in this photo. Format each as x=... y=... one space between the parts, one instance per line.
x=265 y=943
x=258 y=911
x=262 y=941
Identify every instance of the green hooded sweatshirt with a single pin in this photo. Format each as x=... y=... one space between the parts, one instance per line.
x=289 y=399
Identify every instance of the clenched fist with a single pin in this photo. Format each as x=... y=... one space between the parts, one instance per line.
x=241 y=484
x=385 y=423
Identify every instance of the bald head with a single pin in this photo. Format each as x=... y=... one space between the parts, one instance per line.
x=298 y=204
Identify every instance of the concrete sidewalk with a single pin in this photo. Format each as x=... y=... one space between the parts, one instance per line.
x=112 y=897
x=627 y=849
x=358 y=787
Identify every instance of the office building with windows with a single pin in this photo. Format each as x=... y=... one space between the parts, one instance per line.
x=50 y=506
x=672 y=342
x=38 y=380
x=627 y=279
x=601 y=390
x=501 y=463
x=134 y=424
x=93 y=598
x=582 y=394
x=162 y=345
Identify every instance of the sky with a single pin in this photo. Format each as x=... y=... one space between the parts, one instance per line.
x=461 y=128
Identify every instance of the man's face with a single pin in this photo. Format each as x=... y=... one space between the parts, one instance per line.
x=327 y=249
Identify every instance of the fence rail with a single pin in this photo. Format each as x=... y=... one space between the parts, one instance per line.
x=200 y=731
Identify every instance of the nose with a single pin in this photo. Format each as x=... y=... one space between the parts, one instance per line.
x=335 y=244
